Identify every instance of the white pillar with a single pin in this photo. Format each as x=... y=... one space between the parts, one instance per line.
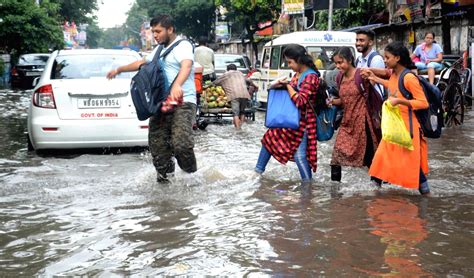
x=331 y=5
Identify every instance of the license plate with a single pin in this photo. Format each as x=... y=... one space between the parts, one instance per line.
x=87 y=103
x=33 y=73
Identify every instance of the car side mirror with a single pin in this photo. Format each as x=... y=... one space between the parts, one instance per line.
x=35 y=81
x=258 y=64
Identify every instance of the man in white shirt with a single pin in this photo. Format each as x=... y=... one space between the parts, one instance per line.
x=205 y=57
x=171 y=133
x=370 y=58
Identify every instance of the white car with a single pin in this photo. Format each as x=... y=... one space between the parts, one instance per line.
x=75 y=106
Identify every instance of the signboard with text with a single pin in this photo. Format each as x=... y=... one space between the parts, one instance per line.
x=293 y=6
x=222 y=31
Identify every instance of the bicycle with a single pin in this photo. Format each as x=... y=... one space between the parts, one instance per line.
x=453 y=83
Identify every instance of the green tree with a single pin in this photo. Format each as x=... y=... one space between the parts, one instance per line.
x=135 y=18
x=112 y=37
x=79 y=11
x=26 y=27
x=94 y=34
x=196 y=17
x=156 y=7
x=250 y=13
x=355 y=15
x=193 y=18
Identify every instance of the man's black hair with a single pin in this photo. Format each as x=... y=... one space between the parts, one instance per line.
x=166 y=21
x=202 y=40
x=231 y=67
x=369 y=33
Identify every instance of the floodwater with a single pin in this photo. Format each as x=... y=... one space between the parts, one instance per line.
x=104 y=215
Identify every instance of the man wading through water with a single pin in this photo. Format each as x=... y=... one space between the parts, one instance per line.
x=171 y=133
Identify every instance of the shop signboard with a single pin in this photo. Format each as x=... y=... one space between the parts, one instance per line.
x=293 y=6
x=222 y=31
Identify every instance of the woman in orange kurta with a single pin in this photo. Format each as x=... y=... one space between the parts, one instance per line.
x=393 y=163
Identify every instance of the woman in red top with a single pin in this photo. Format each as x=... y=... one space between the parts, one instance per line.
x=297 y=145
x=356 y=139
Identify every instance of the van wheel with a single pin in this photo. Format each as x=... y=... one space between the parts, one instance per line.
x=29 y=145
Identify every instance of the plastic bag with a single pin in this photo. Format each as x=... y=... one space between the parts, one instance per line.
x=393 y=127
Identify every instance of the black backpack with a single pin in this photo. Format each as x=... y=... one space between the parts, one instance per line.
x=430 y=119
x=149 y=87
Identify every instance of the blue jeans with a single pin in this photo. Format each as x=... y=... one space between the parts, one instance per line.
x=300 y=159
x=422 y=66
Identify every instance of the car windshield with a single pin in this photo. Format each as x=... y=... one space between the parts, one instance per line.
x=223 y=60
x=34 y=59
x=87 y=66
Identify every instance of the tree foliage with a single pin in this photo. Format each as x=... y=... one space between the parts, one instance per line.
x=196 y=17
x=193 y=18
x=136 y=16
x=79 y=11
x=249 y=13
x=26 y=27
x=358 y=14
x=94 y=34
x=112 y=37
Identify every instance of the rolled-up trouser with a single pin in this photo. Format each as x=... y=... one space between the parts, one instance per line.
x=172 y=135
x=300 y=159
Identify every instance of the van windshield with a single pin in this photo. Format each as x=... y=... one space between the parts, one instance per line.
x=87 y=66
x=322 y=57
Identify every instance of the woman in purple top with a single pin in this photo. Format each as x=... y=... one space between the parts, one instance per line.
x=428 y=55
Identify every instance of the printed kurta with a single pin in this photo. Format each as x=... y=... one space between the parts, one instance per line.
x=351 y=140
x=395 y=164
x=282 y=143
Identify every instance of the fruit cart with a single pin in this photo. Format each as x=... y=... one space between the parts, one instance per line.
x=214 y=107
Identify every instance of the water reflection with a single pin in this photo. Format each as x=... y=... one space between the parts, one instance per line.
x=291 y=235
x=398 y=223
x=319 y=233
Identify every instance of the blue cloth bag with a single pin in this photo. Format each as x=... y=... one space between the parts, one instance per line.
x=325 y=123
x=281 y=110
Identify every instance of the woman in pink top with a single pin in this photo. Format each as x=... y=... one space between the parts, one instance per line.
x=428 y=55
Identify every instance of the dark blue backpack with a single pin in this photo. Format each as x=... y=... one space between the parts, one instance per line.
x=150 y=87
x=430 y=119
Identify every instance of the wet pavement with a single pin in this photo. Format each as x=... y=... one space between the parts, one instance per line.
x=104 y=215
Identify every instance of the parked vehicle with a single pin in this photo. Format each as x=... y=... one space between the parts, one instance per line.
x=319 y=44
x=29 y=67
x=74 y=105
x=241 y=61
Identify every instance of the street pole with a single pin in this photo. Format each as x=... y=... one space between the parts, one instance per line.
x=331 y=4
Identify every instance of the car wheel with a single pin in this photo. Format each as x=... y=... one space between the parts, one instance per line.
x=29 y=145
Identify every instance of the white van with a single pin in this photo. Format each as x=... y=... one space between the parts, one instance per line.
x=319 y=44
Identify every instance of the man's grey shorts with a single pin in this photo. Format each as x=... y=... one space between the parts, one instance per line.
x=238 y=106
